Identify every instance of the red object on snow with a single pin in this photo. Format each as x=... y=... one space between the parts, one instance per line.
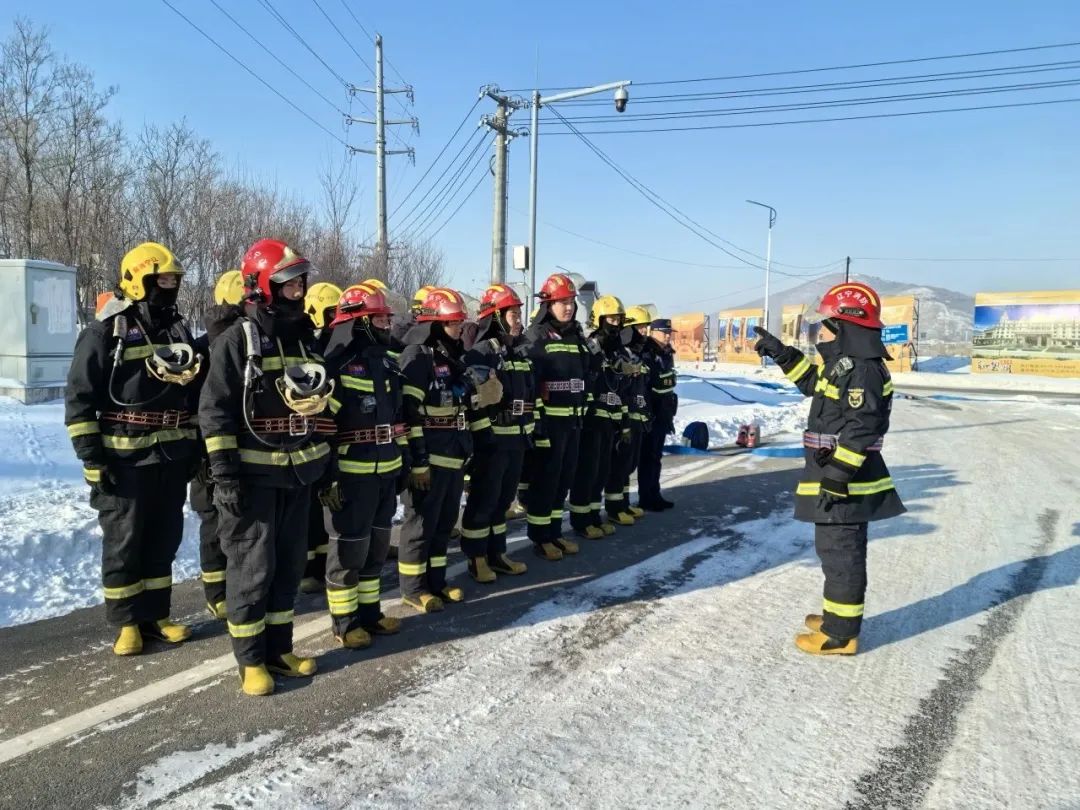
x=743 y=438
x=753 y=436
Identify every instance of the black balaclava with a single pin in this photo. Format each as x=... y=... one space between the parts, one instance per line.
x=289 y=317
x=159 y=305
x=852 y=340
x=609 y=333
x=218 y=318
x=495 y=326
x=369 y=331
x=450 y=347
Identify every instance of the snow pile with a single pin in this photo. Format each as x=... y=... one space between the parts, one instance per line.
x=724 y=402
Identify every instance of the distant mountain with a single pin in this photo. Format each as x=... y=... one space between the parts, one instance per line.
x=945 y=316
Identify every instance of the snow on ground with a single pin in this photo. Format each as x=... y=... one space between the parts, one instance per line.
x=675 y=683
x=50 y=541
x=724 y=402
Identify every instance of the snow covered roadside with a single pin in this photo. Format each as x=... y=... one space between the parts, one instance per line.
x=724 y=402
x=50 y=541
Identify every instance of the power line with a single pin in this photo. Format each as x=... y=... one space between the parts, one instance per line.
x=437 y=157
x=275 y=57
x=855 y=84
x=386 y=59
x=632 y=131
x=441 y=201
x=464 y=200
x=829 y=104
x=432 y=190
x=947 y=259
x=254 y=75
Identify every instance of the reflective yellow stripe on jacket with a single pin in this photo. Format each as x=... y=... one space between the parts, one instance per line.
x=282 y=458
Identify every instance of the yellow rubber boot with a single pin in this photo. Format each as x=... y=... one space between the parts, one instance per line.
x=452 y=593
x=591 y=533
x=385 y=626
x=356 y=639
x=425 y=602
x=256 y=681
x=505 y=565
x=566 y=546
x=549 y=551
x=636 y=512
x=129 y=642
x=624 y=519
x=218 y=610
x=820 y=644
x=166 y=630
x=813 y=622
x=608 y=528
x=481 y=571
x=293 y=666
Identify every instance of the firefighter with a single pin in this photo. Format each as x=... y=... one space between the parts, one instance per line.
x=401 y=324
x=127 y=412
x=663 y=403
x=228 y=294
x=845 y=483
x=320 y=304
x=260 y=413
x=496 y=466
x=561 y=362
x=635 y=398
x=441 y=400
x=371 y=448
x=604 y=420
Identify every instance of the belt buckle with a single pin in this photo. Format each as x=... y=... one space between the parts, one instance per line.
x=170 y=419
x=384 y=434
x=577 y=386
x=298 y=424
x=460 y=422
x=517 y=407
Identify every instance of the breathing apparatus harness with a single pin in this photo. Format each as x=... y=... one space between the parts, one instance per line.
x=172 y=364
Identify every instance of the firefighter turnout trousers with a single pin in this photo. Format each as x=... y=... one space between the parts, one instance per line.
x=495 y=472
x=266 y=553
x=359 y=543
x=318 y=539
x=652 y=454
x=422 y=557
x=624 y=459
x=552 y=464
x=212 y=560
x=142 y=523
x=591 y=471
x=841 y=548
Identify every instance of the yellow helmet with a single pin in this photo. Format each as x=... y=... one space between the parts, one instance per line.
x=606 y=305
x=229 y=288
x=321 y=297
x=142 y=261
x=376 y=283
x=420 y=295
x=637 y=315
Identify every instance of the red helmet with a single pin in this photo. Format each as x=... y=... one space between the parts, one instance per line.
x=442 y=304
x=270 y=260
x=496 y=298
x=558 y=287
x=361 y=301
x=854 y=303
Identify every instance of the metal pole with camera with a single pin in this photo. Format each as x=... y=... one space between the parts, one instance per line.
x=622 y=95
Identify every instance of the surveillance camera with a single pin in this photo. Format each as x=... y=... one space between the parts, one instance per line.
x=621 y=97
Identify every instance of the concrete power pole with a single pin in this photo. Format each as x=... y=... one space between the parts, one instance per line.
x=503 y=135
x=382 y=242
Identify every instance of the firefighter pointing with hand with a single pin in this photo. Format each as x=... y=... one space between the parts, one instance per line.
x=845 y=483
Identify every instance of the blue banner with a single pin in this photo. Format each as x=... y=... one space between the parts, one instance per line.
x=895 y=334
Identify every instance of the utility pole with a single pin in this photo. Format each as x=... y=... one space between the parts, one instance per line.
x=503 y=135
x=847 y=270
x=382 y=242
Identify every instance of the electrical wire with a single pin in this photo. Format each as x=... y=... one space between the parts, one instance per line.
x=411 y=214
x=276 y=58
x=386 y=58
x=440 y=202
x=754 y=124
x=464 y=200
x=255 y=75
x=436 y=160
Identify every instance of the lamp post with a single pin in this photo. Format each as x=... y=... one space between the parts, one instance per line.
x=768 y=256
x=538 y=101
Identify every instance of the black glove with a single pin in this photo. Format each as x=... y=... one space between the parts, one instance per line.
x=332 y=497
x=768 y=344
x=229 y=497
x=832 y=492
x=101 y=479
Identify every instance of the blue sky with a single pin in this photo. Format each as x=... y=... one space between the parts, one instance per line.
x=970 y=185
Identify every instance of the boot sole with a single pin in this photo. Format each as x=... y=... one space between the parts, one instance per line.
x=508 y=572
x=419 y=606
x=290 y=673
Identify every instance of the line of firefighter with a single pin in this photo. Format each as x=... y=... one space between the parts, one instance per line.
x=303 y=413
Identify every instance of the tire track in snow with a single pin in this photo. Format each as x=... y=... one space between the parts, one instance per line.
x=905 y=772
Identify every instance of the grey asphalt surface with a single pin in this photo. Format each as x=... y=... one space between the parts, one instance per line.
x=65 y=665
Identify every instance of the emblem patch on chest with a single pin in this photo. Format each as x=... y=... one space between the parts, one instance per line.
x=855 y=397
x=442 y=371
x=134 y=333
x=356 y=368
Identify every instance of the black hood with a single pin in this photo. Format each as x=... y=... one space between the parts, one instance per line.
x=218 y=318
x=852 y=340
x=632 y=339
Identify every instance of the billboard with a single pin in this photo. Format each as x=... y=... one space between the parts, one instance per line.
x=1027 y=333
x=688 y=336
x=735 y=336
x=899 y=314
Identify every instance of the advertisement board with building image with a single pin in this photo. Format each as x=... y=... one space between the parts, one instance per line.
x=1027 y=333
x=735 y=336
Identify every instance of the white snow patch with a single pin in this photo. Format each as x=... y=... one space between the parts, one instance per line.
x=725 y=402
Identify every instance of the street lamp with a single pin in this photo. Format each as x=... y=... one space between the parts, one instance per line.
x=538 y=101
x=768 y=256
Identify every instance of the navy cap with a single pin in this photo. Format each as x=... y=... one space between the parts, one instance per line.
x=661 y=324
